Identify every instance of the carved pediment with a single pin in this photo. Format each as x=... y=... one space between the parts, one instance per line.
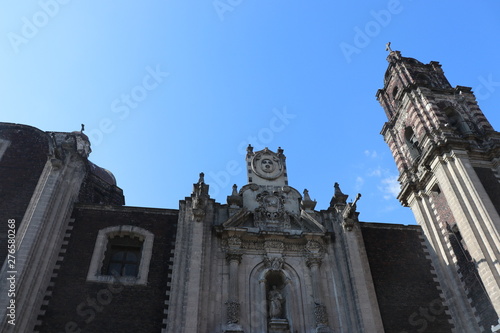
x=311 y=224
x=293 y=224
x=241 y=219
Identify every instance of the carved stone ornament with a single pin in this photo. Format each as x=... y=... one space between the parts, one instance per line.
x=339 y=198
x=274 y=264
x=274 y=246
x=199 y=198
x=320 y=315
x=350 y=215
x=234 y=242
x=271 y=215
x=313 y=246
x=235 y=200
x=313 y=261
x=266 y=164
x=233 y=312
x=231 y=256
x=306 y=203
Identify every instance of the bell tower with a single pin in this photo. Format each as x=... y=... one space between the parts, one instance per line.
x=448 y=158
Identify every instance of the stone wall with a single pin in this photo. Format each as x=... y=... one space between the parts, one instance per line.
x=408 y=294
x=72 y=302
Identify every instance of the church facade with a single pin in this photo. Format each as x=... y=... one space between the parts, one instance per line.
x=266 y=260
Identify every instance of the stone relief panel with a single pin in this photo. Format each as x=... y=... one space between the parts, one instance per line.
x=271 y=214
x=267 y=165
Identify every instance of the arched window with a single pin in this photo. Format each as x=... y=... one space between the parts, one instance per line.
x=122 y=257
x=412 y=143
x=121 y=253
x=457 y=121
x=395 y=92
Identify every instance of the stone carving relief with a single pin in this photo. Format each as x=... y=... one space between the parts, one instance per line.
x=271 y=215
x=266 y=164
x=321 y=316
x=274 y=264
x=234 y=242
x=313 y=246
x=274 y=246
x=233 y=312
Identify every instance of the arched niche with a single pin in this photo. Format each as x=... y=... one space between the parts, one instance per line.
x=290 y=286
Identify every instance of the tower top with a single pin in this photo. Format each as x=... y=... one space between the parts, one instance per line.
x=266 y=167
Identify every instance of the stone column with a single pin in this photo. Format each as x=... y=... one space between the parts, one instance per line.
x=233 y=304
x=320 y=315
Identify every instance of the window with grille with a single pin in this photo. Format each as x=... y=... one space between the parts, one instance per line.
x=122 y=256
x=121 y=253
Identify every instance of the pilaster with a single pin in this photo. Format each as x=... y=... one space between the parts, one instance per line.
x=39 y=237
x=367 y=304
x=440 y=253
x=475 y=216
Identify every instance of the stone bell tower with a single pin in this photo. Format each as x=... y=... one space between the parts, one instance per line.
x=448 y=157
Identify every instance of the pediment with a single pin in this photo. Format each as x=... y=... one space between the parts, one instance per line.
x=294 y=224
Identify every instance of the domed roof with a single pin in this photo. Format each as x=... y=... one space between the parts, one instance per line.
x=103 y=174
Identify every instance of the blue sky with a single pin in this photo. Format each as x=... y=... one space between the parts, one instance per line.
x=168 y=89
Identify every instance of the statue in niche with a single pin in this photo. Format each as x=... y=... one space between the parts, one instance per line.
x=275 y=303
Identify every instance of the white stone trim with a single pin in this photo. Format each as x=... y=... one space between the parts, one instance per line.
x=94 y=273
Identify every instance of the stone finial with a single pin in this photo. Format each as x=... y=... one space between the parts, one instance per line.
x=200 y=198
x=83 y=128
x=235 y=200
x=249 y=149
x=200 y=188
x=201 y=180
x=307 y=204
x=339 y=198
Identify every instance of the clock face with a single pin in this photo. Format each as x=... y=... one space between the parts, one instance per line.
x=267 y=165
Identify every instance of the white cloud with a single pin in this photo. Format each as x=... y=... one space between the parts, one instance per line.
x=390 y=187
x=376 y=173
x=372 y=154
x=359 y=183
